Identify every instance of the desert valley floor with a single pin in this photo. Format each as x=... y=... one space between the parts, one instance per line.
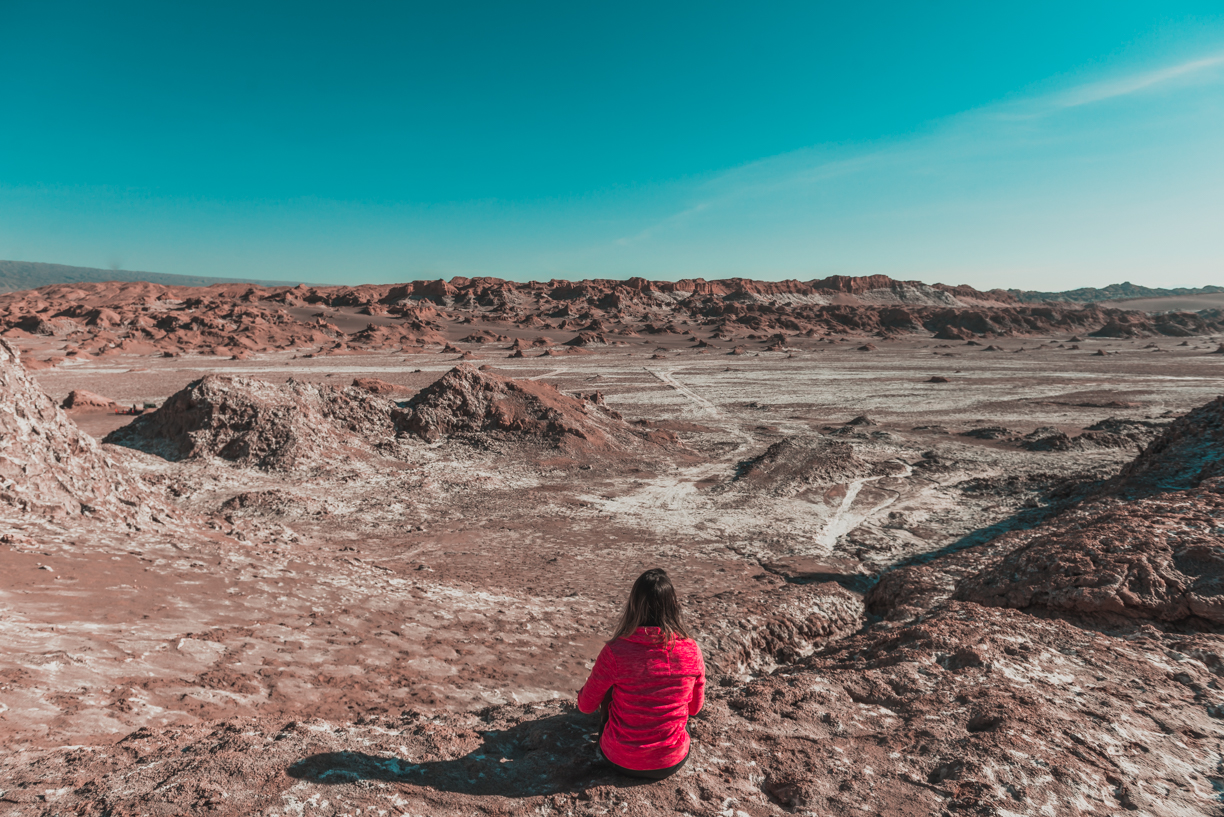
x=311 y=617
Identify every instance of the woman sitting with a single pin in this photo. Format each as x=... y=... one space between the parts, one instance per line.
x=646 y=683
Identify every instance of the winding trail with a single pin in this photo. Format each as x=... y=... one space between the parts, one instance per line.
x=677 y=493
x=708 y=407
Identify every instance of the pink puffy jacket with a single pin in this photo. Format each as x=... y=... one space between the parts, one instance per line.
x=655 y=687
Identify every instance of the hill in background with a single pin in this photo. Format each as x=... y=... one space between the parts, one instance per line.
x=1125 y=291
x=19 y=275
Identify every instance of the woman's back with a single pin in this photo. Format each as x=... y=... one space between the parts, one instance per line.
x=658 y=683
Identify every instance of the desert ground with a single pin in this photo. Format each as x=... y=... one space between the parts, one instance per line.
x=332 y=579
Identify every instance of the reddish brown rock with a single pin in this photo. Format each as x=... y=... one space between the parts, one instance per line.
x=966 y=711
x=468 y=401
x=173 y=319
x=802 y=463
x=376 y=386
x=745 y=633
x=81 y=399
x=1160 y=558
x=587 y=339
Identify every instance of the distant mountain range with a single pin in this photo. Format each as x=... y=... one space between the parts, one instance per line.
x=1114 y=292
x=19 y=275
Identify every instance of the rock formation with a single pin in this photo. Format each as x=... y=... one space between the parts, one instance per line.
x=746 y=633
x=259 y=424
x=469 y=401
x=241 y=320
x=802 y=463
x=49 y=467
x=1160 y=558
x=376 y=386
x=1190 y=451
x=81 y=399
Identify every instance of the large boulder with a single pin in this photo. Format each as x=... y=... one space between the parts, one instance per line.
x=81 y=399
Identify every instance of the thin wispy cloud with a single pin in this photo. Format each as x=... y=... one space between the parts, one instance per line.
x=989 y=130
x=1099 y=91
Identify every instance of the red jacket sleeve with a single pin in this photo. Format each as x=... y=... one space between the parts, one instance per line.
x=698 y=699
x=603 y=675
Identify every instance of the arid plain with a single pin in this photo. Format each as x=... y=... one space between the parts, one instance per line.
x=362 y=563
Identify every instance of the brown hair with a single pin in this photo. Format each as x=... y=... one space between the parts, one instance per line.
x=652 y=603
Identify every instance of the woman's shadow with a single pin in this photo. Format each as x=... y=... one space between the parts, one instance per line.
x=547 y=756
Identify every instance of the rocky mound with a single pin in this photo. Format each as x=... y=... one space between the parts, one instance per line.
x=468 y=401
x=801 y=463
x=49 y=466
x=263 y=425
x=968 y=711
x=376 y=386
x=752 y=632
x=1190 y=451
x=1109 y=433
x=81 y=399
x=1160 y=558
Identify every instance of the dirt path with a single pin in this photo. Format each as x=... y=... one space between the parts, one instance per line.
x=846 y=517
x=676 y=494
x=707 y=407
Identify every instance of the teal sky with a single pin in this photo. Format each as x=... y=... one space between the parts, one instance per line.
x=1040 y=145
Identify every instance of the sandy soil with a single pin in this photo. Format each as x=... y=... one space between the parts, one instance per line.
x=449 y=577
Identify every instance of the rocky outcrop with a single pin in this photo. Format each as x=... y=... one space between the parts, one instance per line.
x=907 y=592
x=376 y=386
x=801 y=463
x=746 y=633
x=1160 y=558
x=1190 y=451
x=967 y=710
x=241 y=320
x=263 y=425
x=1109 y=433
x=50 y=467
x=81 y=399
x=468 y=401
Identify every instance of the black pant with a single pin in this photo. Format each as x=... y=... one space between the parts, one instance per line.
x=648 y=774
